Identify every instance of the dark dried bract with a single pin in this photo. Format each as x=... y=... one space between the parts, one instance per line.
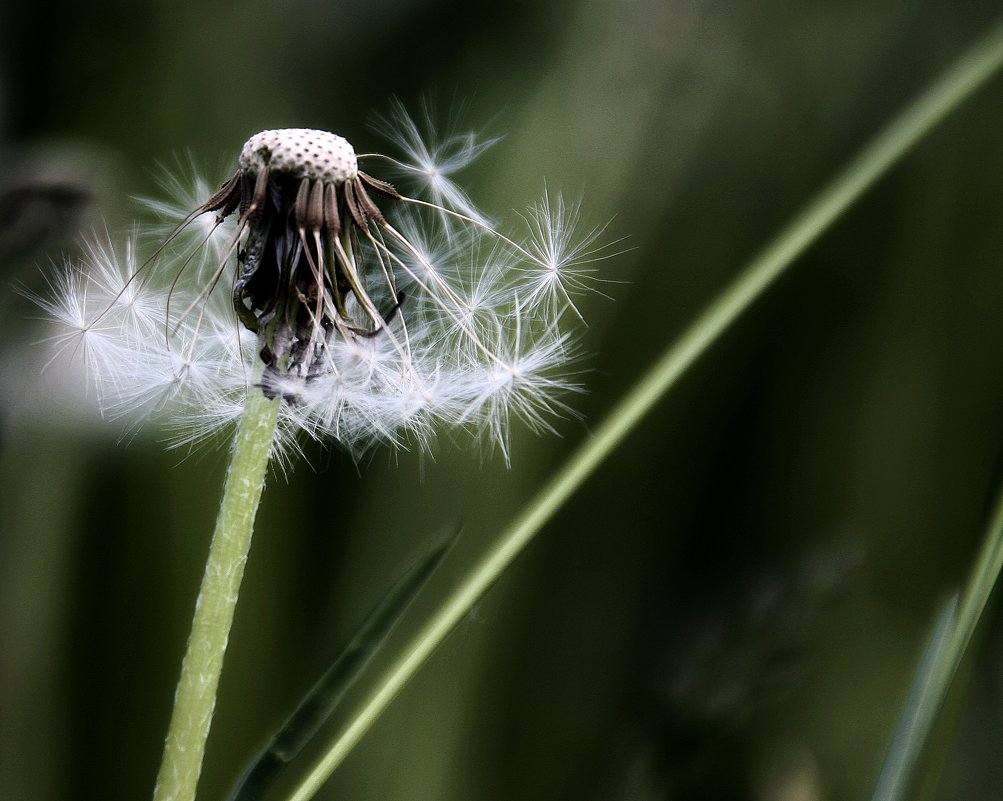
x=297 y=279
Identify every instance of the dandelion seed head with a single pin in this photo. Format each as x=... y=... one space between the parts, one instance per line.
x=372 y=316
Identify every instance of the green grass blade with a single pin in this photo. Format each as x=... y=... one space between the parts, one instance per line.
x=920 y=710
x=940 y=663
x=322 y=700
x=916 y=121
x=985 y=573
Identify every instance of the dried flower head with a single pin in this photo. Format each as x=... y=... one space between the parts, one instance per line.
x=375 y=315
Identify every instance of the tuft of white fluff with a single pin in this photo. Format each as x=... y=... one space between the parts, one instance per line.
x=481 y=338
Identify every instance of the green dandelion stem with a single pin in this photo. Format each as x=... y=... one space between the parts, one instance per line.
x=195 y=697
x=890 y=145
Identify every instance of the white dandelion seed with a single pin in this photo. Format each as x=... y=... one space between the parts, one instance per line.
x=432 y=157
x=373 y=315
x=184 y=189
x=563 y=257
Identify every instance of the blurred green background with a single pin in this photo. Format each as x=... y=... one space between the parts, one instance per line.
x=733 y=606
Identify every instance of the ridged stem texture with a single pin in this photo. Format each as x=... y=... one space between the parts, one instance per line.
x=195 y=697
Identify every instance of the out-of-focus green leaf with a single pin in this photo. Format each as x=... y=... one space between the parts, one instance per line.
x=920 y=710
x=322 y=700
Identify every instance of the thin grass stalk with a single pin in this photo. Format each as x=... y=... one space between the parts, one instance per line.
x=972 y=71
x=940 y=665
x=975 y=597
x=917 y=718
